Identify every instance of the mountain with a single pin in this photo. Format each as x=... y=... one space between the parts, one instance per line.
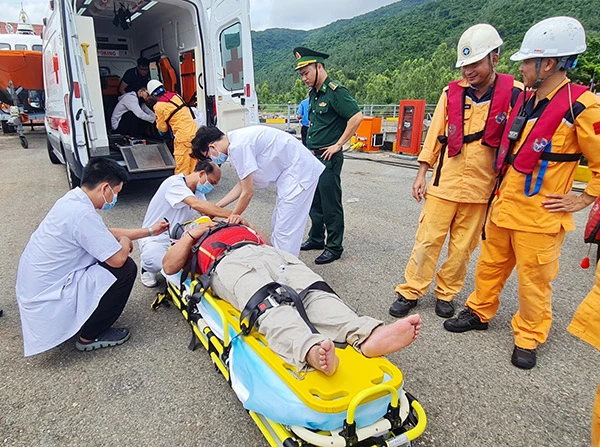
x=408 y=30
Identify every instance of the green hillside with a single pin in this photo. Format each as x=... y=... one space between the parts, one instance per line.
x=407 y=49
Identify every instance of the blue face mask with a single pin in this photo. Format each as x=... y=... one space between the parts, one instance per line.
x=107 y=206
x=204 y=188
x=222 y=158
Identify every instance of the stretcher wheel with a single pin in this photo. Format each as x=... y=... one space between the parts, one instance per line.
x=24 y=142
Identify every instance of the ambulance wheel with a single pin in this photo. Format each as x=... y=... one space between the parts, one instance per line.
x=73 y=180
x=7 y=128
x=53 y=158
x=24 y=142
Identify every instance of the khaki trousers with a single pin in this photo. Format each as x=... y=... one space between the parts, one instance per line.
x=439 y=217
x=247 y=269
x=536 y=258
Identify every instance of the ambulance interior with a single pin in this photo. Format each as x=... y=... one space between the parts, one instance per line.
x=165 y=32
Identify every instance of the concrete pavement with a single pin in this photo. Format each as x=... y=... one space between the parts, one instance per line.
x=152 y=391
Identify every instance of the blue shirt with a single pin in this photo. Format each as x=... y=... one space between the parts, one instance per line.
x=303 y=110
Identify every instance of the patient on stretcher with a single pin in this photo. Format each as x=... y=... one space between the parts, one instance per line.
x=240 y=263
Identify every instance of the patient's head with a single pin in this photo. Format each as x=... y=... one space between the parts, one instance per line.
x=143 y=94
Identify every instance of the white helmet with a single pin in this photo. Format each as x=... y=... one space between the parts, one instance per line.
x=154 y=85
x=553 y=37
x=476 y=43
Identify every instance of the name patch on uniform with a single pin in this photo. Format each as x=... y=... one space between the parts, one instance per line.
x=597 y=128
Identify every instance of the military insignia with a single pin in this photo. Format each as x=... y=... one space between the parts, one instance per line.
x=540 y=144
x=466 y=51
x=297 y=55
x=501 y=118
x=322 y=104
x=333 y=85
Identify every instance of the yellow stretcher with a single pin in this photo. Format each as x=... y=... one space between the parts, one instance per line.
x=361 y=388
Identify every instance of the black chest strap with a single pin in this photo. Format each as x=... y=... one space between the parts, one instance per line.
x=273 y=294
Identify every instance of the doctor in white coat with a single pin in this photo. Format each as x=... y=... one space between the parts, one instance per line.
x=75 y=274
x=264 y=156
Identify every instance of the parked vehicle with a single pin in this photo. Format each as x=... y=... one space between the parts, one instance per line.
x=199 y=48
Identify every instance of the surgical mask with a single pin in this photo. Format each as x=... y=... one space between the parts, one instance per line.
x=222 y=158
x=107 y=206
x=204 y=188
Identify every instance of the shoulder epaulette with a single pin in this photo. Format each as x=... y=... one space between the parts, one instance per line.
x=333 y=85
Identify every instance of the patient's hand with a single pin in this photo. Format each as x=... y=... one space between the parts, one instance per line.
x=202 y=228
x=160 y=227
x=236 y=219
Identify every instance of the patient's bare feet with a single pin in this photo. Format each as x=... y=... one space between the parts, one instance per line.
x=322 y=357
x=389 y=338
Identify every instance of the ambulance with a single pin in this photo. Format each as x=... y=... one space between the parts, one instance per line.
x=200 y=49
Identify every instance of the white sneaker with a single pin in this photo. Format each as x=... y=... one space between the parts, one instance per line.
x=149 y=279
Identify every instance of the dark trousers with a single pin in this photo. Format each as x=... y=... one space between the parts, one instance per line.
x=303 y=134
x=326 y=211
x=132 y=126
x=113 y=302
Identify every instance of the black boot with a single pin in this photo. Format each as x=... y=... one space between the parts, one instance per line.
x=401 y=306
x=465 y=321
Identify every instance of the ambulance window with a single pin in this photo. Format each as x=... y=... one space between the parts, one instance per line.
x=4 y=46
x=20 y=47
x=36 y=48
x=232 y=57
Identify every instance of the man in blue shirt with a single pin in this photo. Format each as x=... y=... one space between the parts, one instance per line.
x=302 y=114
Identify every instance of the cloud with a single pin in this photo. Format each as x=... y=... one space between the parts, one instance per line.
x=296 y=14
x=307 y=14
x=35 y=9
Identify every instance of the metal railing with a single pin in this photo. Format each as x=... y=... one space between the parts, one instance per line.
x=287 y=112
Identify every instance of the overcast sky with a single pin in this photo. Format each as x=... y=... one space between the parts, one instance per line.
x=297 y=14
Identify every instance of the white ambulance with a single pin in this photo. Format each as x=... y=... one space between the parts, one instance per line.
x=198 y=48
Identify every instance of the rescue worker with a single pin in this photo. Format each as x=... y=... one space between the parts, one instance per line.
x=246 y=265
x=135 y=78
x=178 y=199
x=172 y=112
x=264 y=156
x=75 y=274
x=543 y=140
x=334 y=117
x=586 y=325
x=462 y=140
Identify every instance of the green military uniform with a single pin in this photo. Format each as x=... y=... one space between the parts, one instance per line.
x=330 y=108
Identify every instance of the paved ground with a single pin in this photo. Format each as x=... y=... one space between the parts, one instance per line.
x=152 y=391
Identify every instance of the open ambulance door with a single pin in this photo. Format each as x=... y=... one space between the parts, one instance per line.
x=235 y=95
x=81 y=69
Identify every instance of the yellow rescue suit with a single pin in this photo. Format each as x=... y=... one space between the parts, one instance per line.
x=184 y=130
x=523 y=233
x=586 y=325
x=455 y=203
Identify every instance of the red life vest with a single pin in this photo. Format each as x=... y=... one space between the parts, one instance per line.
x=541 y=134
x=494 y=125
x=167 y=97
x=221 y=239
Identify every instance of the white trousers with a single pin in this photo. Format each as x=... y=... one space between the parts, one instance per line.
x=289 y=219
x=152 y=252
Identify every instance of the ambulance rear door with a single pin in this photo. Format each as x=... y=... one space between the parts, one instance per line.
x=233 y=66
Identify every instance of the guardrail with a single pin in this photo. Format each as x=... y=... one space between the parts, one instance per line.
x=286 y=113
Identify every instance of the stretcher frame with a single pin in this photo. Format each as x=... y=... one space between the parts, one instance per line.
x=390 y=431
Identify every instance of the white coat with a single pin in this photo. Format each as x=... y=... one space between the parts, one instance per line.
x=274 y=157
x=59 y=281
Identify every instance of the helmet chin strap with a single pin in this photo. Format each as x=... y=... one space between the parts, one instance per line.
x=538 y=80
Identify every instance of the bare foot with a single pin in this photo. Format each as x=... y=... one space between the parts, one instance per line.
x=389 y=338
x=323 y=358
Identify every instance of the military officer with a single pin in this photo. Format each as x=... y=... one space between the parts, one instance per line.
x=334 y=117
